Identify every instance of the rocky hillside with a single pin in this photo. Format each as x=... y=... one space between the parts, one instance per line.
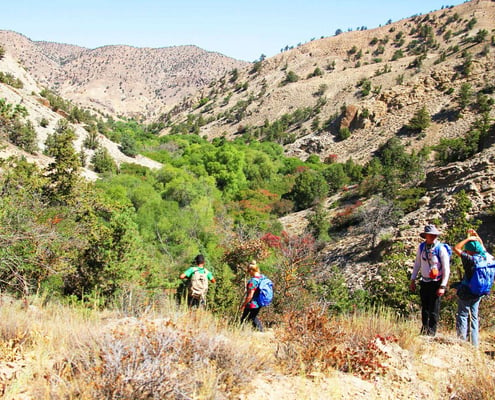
x=118 y=80
x=370 y=81
x=39 y=109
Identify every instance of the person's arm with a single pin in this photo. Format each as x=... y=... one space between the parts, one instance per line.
x=472 y=232
x=414 y=274
x=445 y=261
x=459 y=246
x=248 y=298
x=210 y=277
x=187 y=273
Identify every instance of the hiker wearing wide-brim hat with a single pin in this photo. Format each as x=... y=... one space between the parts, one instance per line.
x=433 y=263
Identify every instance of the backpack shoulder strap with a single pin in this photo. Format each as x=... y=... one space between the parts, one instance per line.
x=259 y=279
x=438 y=248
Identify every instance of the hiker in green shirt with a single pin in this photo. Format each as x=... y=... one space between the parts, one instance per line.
x=198 y=277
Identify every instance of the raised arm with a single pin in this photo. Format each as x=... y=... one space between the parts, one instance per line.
x=459 y=246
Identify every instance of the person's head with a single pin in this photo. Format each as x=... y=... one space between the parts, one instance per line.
x=430 y=233
x=199 y=259
x=253 y=268
x=474 y=247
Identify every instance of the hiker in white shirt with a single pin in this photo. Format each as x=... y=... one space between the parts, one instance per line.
x=433 y=264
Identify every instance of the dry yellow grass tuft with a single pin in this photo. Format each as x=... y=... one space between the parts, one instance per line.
x=56 y=351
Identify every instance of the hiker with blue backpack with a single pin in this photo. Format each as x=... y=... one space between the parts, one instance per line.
x=259 y=293
x=433 y=263
x=479 y=270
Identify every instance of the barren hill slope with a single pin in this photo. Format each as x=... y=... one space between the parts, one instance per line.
x=118 y=80
x=38 y=110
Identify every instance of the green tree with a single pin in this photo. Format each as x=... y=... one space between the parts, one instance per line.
x=44 y=122
x=334 y=291
x=481 y=36
x=226 y=164
x=234 y=75
x=24 y=136
x=467 y=64
x=27 y=242
x=128 y=146
x=465 y=95
x=365 y=87
x=110 y=254
x=319 y=223
x=290 y=77
x=91 y=140
x=103 y=162
x=63 y=172
x=420 y=120
x=484 y=103
x=336 y=177
x=310 y=187
x=471 y=23
x=344 y=133
x=391 y=288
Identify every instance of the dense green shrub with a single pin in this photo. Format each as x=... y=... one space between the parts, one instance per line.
x=103 y=162
x=391 y=287
x=309 y=188
x=24 y=136
x=420 y=120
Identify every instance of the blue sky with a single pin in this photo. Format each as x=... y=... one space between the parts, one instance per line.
x=240 y=29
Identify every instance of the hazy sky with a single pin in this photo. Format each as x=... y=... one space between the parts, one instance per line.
x=243 y=29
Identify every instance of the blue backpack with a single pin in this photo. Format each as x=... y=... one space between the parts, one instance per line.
x=265 y=291
x=481 y=282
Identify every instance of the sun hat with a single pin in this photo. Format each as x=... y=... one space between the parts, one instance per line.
x=430 y=230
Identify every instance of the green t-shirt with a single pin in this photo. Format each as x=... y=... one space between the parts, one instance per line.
x=200 y=270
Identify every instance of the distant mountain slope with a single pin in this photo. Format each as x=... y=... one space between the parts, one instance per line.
x=119 y=80
x=39 y=109
x=370 y=82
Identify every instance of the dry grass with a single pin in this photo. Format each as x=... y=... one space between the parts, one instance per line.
x=312 y=341
x=59 y=352
x=54 y=351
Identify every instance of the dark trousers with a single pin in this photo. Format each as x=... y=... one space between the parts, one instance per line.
x=252 y=315
x=430 y=307
x=195 y=302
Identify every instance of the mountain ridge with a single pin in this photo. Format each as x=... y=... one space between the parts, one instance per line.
x=118 y=79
